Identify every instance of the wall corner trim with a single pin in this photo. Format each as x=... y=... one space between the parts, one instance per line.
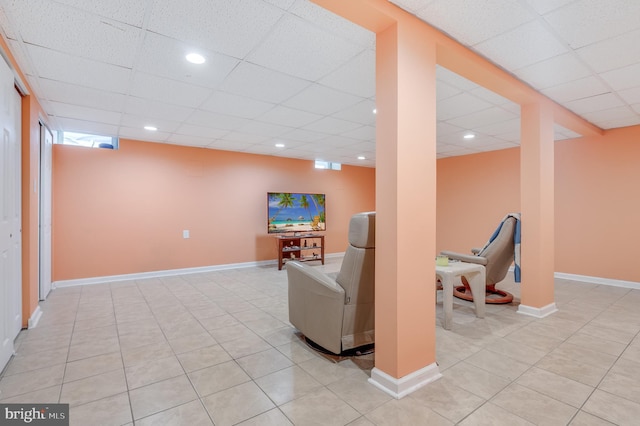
x=403 y=386
x=35 y=317
x=537 y=312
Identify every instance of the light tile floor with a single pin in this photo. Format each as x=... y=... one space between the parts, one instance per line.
x=217 y=348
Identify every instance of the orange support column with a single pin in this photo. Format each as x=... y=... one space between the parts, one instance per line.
x=406 y=211
x=405 y=193
x=537 y=204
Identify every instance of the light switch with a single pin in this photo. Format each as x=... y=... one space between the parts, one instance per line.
x=185 y=233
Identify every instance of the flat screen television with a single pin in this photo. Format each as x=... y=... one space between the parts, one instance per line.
x=295 y=212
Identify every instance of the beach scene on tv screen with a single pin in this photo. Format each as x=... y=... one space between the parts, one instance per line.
x=296 y=212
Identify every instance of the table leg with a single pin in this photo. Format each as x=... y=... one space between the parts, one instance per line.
x=447 y=299
x=478 y=289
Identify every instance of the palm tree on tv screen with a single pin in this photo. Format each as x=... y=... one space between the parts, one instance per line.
x=284 y=200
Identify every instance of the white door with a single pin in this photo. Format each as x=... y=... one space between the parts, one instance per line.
x=46 y=156
x=10 y=221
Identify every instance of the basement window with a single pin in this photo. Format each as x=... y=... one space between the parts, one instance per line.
x=327 y=165
x=88 y=140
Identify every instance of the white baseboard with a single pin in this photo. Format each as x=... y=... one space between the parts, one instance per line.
x=403 y=386
x=35 y=317
x=597 y=280
x=158 y=274
x=537 y=312
x=169 y=272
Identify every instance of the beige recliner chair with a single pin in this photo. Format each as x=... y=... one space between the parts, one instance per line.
x=497 y=256
x=336 y=311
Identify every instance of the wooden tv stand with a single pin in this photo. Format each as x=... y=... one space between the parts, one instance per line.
x=300 y=247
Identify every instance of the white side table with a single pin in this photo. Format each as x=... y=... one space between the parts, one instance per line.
x=449 y=276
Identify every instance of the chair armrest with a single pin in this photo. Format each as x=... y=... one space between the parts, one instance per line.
x=313 y=281
x=316 y=305
x=469 y=258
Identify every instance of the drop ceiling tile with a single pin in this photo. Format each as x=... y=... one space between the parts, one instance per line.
x=200 y=131
x=322 y=100
x=605 y=115
x=165 y=57
x=79 y=71
x=185 y=140
x=264 y=129
x=139 y=121
x=238 y=106
x=156 y=110
x=63 y=28
x=357 y=76
x=584 y=22
x=594 y=103
x=365 y=133
x=168 y=91
x=578 y=89
x=73 y=125
x=501 y=128
x=362 y=113
x=473 y=22
x=331 y=22
x=289 y=117
x=303 y=135
x=233 y=28
x=300 y=49
x=128 y=11
x=86 y=114
x=444 y=90
x=241 y=137
x=78 y=95
x=485 y=117
x=554 y=71
x=612 y=53
x=623 y=78
x=493 y=98
x=525 y=45
x=254 y=81
x=444 y=128
x=546 y=6
x=459 y=105
x=631 y=96
x=282 y=4
x=623 y=122
x=140 y=134
x=231 y=145
x=216 y=120
x=332 y=126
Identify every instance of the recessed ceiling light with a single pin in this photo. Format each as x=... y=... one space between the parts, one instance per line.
x=361 y=157
x=195 y=58
x=279 y=145
x=469 y=136
x=375 y=110
x=151 y=128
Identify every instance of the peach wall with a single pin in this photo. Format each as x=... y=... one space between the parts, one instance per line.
x=597 y=205
x=474 y=193
x=596 y=219
x=123 y=211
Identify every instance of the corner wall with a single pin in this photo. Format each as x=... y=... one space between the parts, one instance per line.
x=123 y=211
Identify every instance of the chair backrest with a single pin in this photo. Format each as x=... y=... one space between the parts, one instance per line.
x=357 y=273
x=499 y=253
